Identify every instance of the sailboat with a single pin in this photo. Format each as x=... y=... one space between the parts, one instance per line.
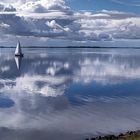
x=18 y=51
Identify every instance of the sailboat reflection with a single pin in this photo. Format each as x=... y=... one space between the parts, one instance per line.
x=18 y=61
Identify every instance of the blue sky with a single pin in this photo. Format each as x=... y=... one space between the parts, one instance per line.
x=97 y=5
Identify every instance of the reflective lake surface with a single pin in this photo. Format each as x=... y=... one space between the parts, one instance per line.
x=68 y=94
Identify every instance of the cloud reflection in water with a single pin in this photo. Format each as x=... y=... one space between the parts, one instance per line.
x=74 y=93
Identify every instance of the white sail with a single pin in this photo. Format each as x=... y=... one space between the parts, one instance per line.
x=18 y=49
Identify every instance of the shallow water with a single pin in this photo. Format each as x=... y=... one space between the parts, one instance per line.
x=69 y=94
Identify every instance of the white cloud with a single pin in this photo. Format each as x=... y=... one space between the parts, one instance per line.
x=52 y=19
x=42 y=6
x=7 y=8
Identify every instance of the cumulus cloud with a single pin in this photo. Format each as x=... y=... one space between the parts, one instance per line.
x=7 y=8
x=52 y=19
x=42 y=6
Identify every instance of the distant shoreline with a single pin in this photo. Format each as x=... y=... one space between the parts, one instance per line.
x=130 y=135
x=74 y=47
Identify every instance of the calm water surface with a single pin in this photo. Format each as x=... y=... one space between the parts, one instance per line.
x=68 y=94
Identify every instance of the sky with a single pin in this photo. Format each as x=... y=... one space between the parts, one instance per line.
x=70 y=22
x=97 y=5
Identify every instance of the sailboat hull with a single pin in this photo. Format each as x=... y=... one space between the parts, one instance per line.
x=19 y=55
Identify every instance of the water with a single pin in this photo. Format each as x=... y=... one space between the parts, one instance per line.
x=69 y=94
